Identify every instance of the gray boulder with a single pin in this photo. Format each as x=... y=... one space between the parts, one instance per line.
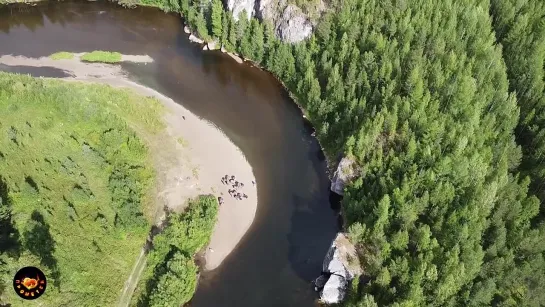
x=341 y=261
x=195 y=39
x=213 y=45
x=334 y=290
x=344 y=174
x=320 y=282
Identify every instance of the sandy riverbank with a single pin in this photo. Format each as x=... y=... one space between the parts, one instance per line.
x=190 y=156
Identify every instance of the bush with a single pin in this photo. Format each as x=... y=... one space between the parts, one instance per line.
x=177 y=285
x=173 y=249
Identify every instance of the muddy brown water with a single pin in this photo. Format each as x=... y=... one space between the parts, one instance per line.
x=283 y=250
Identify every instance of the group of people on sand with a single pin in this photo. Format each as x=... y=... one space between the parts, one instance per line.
x=232 y=181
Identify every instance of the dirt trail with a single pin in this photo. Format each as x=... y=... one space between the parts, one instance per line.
x=132 y=281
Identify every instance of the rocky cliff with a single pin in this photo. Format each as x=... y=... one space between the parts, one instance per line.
x=340 y=266
x=237 y=6
x=291 y=23
x=344 y=174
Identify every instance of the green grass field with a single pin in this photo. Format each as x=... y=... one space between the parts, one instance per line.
x=102 y=57
x=62 y=55
x=75 y=186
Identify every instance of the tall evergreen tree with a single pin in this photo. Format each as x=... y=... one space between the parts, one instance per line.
x=232 y=38
x=242 y=25
x=200 y=24
x=225 y=29
x=184 y=8
x=216 y=18
x=256 y=41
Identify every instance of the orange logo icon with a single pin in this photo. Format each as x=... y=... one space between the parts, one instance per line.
x=29 y=283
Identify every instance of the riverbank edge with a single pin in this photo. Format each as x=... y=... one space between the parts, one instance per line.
x=332 y=159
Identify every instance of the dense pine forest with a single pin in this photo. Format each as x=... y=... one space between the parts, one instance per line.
x=441 y=105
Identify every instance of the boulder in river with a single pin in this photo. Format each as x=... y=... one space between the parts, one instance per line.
x=195 y=39
x=186 y=30
x=344 y=174
x=235 y=57
x=341 y=265
x=320 y=282
x=212 y=45
x=334 y=290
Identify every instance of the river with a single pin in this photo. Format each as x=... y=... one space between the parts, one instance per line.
x=283 y=250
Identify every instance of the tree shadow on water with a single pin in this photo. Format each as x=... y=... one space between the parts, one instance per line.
x=38 y=241
x=313 y=228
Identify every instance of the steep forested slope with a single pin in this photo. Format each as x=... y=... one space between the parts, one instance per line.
x=438 y=217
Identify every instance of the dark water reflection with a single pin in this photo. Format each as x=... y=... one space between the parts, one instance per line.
x=283 y=250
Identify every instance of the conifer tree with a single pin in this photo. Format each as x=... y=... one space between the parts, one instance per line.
x=200 y=24
x=256 y=41
x=216 y=18
x=242 y=25
x=232 y=38
x=225 y=29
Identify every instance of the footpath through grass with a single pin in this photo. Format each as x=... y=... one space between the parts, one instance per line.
x=75 y=186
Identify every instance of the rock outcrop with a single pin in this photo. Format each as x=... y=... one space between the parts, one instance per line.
x=340 y=266
x=237 y=6
x=290 y=22
x=270 y=9
x=344 y=174
x=195 y=39
x=334 y=290
x=293 y=26
x=213 y=45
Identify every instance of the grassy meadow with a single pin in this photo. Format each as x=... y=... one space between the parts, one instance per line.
x=75 y=186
